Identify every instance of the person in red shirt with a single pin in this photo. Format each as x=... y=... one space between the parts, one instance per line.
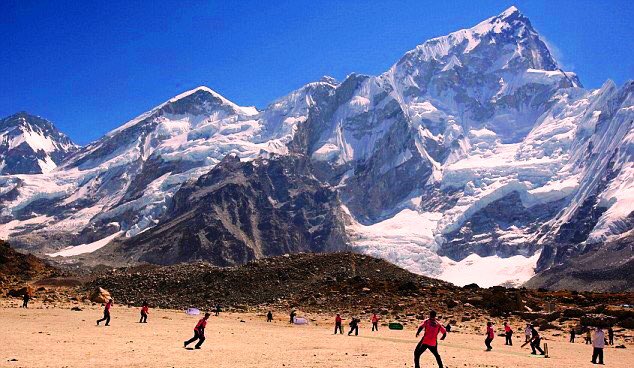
x=199 y=332
x=430 y=339
x=375 y=322
x=144 y=312
x=508 y=334
x=106 y=313
x=338 y=327
x=490 y=334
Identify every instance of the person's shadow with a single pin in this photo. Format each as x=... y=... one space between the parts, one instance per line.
x=189 y=348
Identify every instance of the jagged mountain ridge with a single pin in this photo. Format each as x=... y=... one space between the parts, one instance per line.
x=31 y=145
x=421 y=156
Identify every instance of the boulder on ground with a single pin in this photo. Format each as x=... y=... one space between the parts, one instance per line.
x=22 y=291
x=99 y=295
x=597 y=320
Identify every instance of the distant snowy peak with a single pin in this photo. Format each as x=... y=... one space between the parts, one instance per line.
x=31 y=145
x=509 y=35
x=198 y=101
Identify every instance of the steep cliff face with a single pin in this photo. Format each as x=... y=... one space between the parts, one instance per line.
x=242 y=211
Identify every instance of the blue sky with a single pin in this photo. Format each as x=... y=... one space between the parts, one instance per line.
x=91 y=66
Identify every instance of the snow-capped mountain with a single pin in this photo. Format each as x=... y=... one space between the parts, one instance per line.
x=474 y=158
x=31 y=145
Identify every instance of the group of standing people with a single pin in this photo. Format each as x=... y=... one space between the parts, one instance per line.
x=532 y=337
x=354 y=324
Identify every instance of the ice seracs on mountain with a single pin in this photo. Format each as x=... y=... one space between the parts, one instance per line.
x=474 y=148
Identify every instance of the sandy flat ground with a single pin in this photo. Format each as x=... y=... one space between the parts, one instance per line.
x=59 y=337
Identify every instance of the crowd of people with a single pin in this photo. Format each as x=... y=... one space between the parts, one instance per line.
x=431 y=328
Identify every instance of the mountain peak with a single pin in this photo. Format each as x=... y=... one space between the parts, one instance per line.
x=30 y=144
x=512 y=10
x=220 y=99
x=509 y=35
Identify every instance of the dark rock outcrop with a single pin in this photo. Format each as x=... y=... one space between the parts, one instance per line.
x=242 y=211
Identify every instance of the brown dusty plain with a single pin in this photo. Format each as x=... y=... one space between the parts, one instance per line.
x=59 y=337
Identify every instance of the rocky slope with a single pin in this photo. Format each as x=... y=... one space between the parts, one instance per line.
x=17 y=268
x=604 y=266
x=474 y=152
x=31 y=145
x=241 y=211
x=348 y=283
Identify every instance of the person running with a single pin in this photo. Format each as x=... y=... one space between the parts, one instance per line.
x=354 y=326
x=598 y=343
x=106 y=313
x=199 y=332
x=145 y=310
x=25 y=300
x=610 y=335
x=375 y=322
x=535 y=341
x=588 y=337
x=430 y=339
x=292 y=315
x=269 y=316
x=573 y=333
x=217 y=310
x=490 y=334
x=527 y=333
x=338 y=321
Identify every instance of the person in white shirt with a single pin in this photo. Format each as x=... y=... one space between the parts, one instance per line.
x=598 y=343
x=528 y=332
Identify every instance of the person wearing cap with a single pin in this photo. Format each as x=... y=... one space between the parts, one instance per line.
x=338 y=321
x=430 y=339
x=598 y=343
x=375 y=322
x=490 y=334
x=508 y=334
x=199 y=332
x=106 y=313
x=145 y=309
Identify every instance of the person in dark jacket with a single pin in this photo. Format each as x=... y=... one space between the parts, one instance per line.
x=535 y=341
x=217 y=310
x=610 y=336
x=269 y=316
x=573 y=333
x=199 y=332
x=292 y=315
x=354 y=326
x=25 y=300
x=106 y=313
